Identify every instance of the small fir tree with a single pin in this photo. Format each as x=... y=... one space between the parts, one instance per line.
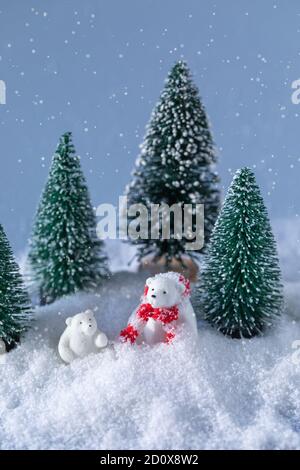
x=14 y=301
x=65 y=254
x=176 y=164
x=240 y=288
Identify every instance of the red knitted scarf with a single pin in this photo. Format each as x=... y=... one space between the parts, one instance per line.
x=146 y=311
x=162 y=314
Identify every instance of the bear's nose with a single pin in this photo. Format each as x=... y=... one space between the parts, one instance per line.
x=154 y=296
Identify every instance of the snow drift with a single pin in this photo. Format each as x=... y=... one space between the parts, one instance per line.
x=216 y=394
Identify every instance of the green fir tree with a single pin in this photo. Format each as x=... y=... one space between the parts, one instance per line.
x=176 y=163
x=240 y=287
x=14 y=301
x=65 y=254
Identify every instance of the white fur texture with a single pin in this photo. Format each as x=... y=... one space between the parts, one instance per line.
x=81 y=337
x=165 y=290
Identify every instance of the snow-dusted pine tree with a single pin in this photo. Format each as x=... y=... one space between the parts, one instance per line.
x=176 y=164
x=65 y=254
x=14 y=301
x=240 y=287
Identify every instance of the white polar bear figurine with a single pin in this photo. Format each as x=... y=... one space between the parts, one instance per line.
x=164 y=307
x=81 y=337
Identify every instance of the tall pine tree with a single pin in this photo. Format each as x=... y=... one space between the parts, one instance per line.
x=65 y=254
x=176 y=164
x=240 y=287
x=14 y=301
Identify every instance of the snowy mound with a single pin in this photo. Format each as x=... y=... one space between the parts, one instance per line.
x=219 y=393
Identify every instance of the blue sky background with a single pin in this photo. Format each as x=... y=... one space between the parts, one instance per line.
x=97 y=68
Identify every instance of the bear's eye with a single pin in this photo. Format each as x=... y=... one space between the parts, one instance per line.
x=164 y=292
x=152 y=288
x=81 y=323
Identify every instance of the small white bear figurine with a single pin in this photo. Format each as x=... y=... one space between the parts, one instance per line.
x=164 y=306
x=81 y=337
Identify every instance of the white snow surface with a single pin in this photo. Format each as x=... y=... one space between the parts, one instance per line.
x=217 y=393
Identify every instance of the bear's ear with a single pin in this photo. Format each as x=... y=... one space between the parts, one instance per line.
x=181 y=288
x=69 y=321
x=185 y=285
x=89 y=312
x=147 y=284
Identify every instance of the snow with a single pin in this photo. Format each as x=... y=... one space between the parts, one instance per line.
x=217 y=394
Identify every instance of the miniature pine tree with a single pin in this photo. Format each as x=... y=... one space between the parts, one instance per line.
x=176 y=164
x=241 y=293
x=65 y=254
x=14 y=300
